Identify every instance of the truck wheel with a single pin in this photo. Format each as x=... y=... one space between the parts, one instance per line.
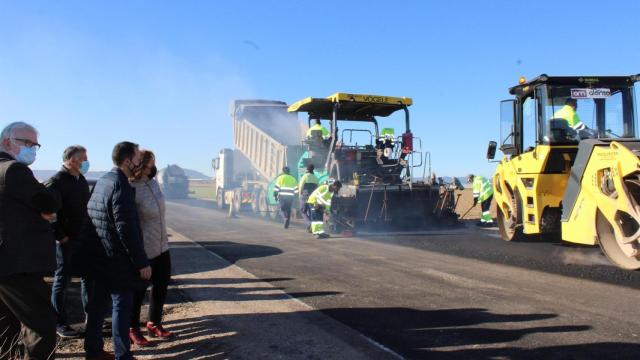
x=237 y=202
x=255 y=202
x=616 y=251
x=220 y=199
x=262 y=205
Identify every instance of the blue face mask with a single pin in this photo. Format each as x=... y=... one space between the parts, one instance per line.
x=27 y=155
x=84 y=167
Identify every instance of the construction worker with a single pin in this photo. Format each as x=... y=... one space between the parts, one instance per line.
x=318 y=126
x=482 y=193
x=320 y=202
x=385 y=144
x=286 y=188
x=568 y=113
x=308 y=183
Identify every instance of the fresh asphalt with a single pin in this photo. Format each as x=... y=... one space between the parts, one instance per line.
x=445 y=293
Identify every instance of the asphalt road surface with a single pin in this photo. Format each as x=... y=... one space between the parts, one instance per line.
x=443 y=294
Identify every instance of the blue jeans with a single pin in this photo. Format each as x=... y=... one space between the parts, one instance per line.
x=61 y=280
x=122 y=303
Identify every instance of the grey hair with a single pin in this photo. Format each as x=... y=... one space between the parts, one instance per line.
x=72 y=151
x=9 y=131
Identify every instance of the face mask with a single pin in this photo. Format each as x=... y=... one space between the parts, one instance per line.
x=27 y=155
x=153 y=173
x=84 y=167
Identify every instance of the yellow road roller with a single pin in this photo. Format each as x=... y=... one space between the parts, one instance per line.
x=571 y=165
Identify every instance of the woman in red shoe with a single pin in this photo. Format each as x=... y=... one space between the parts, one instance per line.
x=151 y=211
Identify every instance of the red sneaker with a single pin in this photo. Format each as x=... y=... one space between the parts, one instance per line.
x=137 y=338
x=158 y=331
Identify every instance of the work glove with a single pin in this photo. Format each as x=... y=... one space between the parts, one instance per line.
x=475 y=201
x=275 y=196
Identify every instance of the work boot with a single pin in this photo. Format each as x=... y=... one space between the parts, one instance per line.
x=158 y=331
x=137 y=338
x=480 y=223
x=66 y=332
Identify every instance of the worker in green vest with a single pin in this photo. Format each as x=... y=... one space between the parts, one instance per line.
x=568 y=113
x=320 y=202
x=285 y=190
x=483 y=194
x=308 y=183
x=318 y=126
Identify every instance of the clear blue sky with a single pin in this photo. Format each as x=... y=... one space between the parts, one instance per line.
x=162 y=73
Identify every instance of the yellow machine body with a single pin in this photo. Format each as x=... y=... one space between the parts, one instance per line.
x=579 y=182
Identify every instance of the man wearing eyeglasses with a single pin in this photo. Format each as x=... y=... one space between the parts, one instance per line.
x=27 y=248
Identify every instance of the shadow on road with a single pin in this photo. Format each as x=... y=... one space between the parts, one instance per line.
x=423 y=333
x=231 y=251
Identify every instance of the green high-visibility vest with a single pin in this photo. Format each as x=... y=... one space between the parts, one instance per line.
x=387 y=131
x=325 y=132
x=308 y=178
x=286 y=185
x=568 y=113
x=322 y=196
x=482 y=188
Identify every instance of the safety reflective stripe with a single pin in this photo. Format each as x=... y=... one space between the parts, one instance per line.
x=580 y=126
x=323 y=200
x=286 y=185
x=286 y=191
x=486 y=191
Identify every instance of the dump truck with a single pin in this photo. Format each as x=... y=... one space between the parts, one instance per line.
x=570 y=165
x=374 y=164
x=173 y=182
x=266 y=138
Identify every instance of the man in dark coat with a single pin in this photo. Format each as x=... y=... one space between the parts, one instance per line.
x=73 y=191
x=27 y=248
x=113 y=213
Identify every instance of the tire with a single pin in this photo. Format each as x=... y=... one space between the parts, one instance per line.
x=613 y=248
x=255 y=202
x=237 y=201
x=510 y=225
x=220 y=199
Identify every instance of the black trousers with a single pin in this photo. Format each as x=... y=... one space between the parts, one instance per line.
x=160 y=277
x=285 y=203
x=25 y=309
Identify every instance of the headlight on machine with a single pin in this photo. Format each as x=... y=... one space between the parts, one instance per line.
x=528 y=183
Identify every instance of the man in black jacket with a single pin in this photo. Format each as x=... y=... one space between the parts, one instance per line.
x=27 y=249
x=73 y=191
x=113 y=213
